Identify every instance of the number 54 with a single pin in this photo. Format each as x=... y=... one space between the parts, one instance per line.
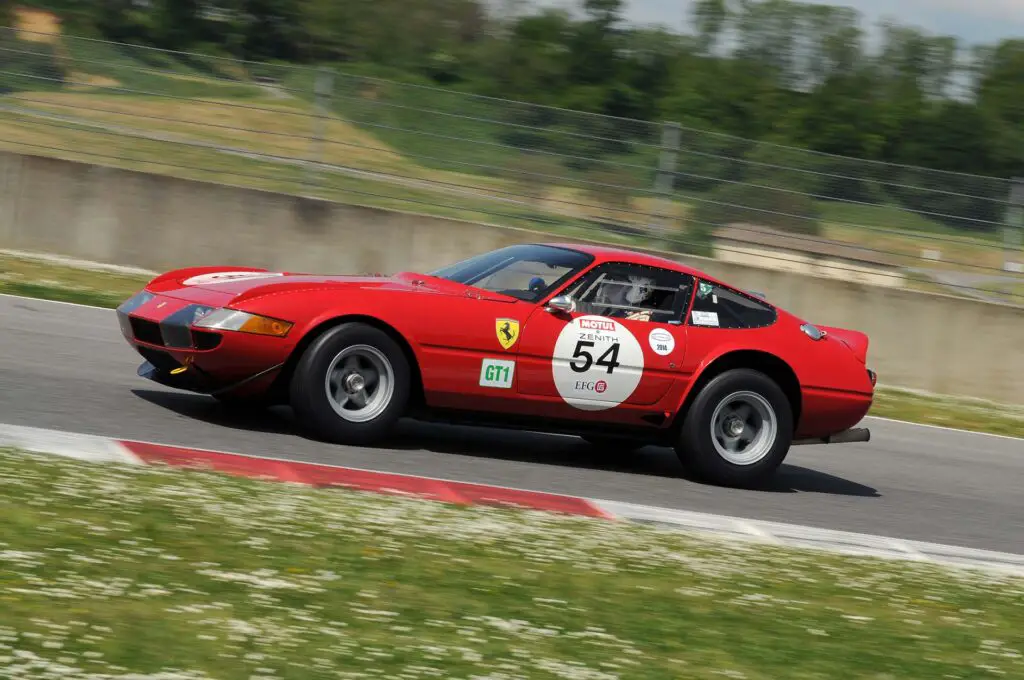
x=610 y=358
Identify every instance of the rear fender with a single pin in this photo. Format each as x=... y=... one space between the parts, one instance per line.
x=856 y=341
x=741 y=357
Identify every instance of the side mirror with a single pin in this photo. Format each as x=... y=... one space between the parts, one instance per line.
x=562 y=303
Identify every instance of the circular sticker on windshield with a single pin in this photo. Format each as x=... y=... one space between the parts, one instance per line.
x=662 y=342
x=227 y=277
x=597 y=363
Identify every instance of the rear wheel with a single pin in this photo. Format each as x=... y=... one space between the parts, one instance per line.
x=351 y=385
x=738 y=430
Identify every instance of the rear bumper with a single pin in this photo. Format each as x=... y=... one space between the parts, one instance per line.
x=855 y=435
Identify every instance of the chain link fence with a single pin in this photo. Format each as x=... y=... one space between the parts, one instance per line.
x=406 y=145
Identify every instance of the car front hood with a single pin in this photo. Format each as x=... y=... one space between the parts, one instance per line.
x=225 y=286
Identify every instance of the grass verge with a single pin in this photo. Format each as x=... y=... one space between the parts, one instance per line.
x=965 y=414
x=49 y=281
x=123 y=571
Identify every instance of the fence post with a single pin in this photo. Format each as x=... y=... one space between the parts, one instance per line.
x=664 y=182
x=1013 y=231
x=323 y=89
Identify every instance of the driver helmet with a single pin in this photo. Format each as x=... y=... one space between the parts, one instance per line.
x=640 y=290
x=633 y=291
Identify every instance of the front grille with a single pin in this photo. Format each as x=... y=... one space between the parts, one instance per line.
x=173 y=332
x=204 y=340
x=146 y=331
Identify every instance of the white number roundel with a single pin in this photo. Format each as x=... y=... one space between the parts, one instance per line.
x=226 y=277
x=597 y=363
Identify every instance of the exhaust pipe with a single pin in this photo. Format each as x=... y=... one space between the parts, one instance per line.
x=856 y=435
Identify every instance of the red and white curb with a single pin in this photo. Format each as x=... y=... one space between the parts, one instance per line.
x=95 y=449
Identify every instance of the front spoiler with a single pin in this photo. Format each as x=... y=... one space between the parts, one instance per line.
x=194 y=379
x=856 y=435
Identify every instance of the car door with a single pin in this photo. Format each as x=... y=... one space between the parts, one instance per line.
x=615 y=355
x=468 y=353
x=469 y=343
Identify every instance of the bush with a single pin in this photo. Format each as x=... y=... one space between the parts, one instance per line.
x=766 y=206
x=531 y=175
x=696 y=238
x=30 y=65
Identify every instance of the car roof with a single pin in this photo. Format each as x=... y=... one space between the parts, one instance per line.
x=611 y=253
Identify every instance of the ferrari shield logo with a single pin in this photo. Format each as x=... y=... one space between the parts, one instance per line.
x=508 y=332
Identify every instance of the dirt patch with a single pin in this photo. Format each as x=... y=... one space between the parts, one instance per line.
x=36 y=25
x=282 y=130
x=87 y=81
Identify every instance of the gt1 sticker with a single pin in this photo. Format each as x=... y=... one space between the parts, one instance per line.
x=227 y=277
x=662 y=342
x=597 y=363
x=497 y=373
x=704 y=318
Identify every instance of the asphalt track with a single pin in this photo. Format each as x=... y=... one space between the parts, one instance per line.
x=66 y=367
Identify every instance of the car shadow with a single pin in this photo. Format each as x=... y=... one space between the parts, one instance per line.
x=797 y=479
x=209 y=410
x=500 y=444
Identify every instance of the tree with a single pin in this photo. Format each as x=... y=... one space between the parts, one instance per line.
x=1002 y=82
x=177 y=23
x=604 y=13
x=267 y=29
x=959 y=138
x=709 y=18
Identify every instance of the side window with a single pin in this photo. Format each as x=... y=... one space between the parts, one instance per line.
x=634 y=292
x=722 y=307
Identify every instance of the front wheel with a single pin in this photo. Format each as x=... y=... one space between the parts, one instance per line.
x=738 y=430
x=351 y=385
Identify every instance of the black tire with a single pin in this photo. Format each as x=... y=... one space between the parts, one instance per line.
x=609 y=445
x=308 y=389
x=696 y=445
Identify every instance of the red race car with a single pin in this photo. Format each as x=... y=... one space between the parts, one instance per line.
x=620 y=348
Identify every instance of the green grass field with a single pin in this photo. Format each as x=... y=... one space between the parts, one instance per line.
x=127 y=572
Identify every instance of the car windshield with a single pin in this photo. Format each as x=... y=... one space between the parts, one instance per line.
x=526 y=272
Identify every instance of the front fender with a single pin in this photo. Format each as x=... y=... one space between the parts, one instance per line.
x=314 y=310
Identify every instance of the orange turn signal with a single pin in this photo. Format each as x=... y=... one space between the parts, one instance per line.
x=261 y=325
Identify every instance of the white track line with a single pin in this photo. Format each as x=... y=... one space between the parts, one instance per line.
x=56 y=302
x=75 y=263
x=798 y=536
x=66 y=444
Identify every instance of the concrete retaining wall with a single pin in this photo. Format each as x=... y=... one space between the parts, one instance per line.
x=929 y=342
